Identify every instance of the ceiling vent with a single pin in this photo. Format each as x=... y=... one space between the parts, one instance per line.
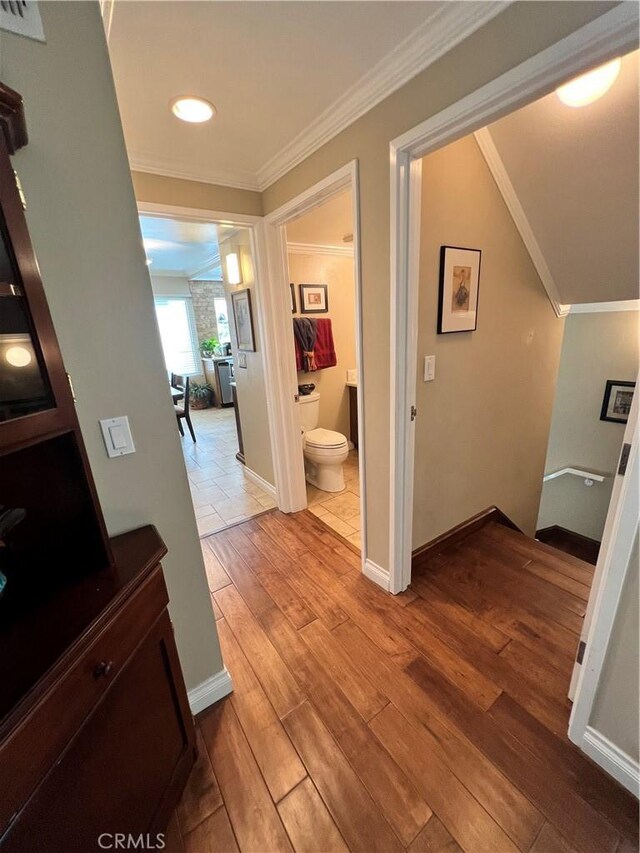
x=21 y=17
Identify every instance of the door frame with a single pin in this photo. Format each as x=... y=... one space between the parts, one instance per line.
x=612 y=34
x=254 y=224
x=279 y=322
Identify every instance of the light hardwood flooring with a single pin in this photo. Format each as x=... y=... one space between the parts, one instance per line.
x=430 y=721
x=221 y=492
x=340 y=510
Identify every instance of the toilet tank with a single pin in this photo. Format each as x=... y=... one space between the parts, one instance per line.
x=309 y=410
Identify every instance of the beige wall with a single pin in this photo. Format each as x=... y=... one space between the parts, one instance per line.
x=159 y=189
x=596 y=347
x=165 y=285
x=250 y=384
x=84 y=226
x=615 y=711
x=338 y=273
x=519 y=32
x=482 y=428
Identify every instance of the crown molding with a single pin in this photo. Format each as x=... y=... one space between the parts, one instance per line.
x=170 y=168
x=501 y=177
x=446 y=28
x=605 y=307
x=319 y=249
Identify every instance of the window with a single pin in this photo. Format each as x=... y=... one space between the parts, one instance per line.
x=177 y=326
x=222 y=320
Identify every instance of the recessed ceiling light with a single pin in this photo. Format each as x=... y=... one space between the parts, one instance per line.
x=195 y=110
x=588 y=87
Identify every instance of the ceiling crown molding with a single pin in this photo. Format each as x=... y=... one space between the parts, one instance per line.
x=319 y=249
x=605 y=307
x=174 y=168
x=446 y=28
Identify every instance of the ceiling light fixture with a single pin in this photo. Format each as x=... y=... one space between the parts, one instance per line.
x=588 y=87
x=192 y=109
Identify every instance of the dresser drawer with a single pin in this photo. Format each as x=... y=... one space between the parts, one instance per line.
x=34 y=745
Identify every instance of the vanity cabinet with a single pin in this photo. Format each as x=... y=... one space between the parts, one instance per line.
x=353 y=414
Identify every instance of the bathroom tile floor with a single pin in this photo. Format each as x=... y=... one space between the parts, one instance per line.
x=340 y=510
x=221 y=492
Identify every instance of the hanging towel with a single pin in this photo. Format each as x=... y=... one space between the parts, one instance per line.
x=324 y=350
x=305 y=333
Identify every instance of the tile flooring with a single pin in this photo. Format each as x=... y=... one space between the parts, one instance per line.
x=340 y=510
x=221 y=492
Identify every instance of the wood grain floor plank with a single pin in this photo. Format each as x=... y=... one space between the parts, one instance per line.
x=202 y=796
x=550 y=841
x=311 y=522
x=559 y=579
x=463 y=816
x=277 y=682
x=277 y=759
x=435 y=838
x=308 y=822
x=552 y=676
x=541 y=635
x=253 y=815
x=289 y=541
x=173 y=841
x=216 y=575
x=247 y=584
x=217 y=613
x=357 y=816
x=533 y=549
x=214 y=835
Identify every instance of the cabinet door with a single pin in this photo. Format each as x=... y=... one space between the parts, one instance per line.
x=125 y=769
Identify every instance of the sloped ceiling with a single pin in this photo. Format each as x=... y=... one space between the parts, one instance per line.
x=575 y=173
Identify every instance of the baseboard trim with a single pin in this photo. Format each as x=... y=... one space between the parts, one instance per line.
x=260 y=481
x=611 y=758
x=460 y=531
x=210 y=691
x=376 y=574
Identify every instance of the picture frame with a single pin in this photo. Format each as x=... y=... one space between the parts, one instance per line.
x=314 y=298
x=458 y=292
x=616 y=403
x=243 y=320
x=294 y=307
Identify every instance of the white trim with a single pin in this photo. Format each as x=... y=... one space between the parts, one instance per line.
x=611 y=758
x=609 y=35
x=447 y=27
x=376 y=574
x=198 y=214
x=265 y=485
x=174 y=168
x=497 y=168
x=279 y=316
x=210 y=691
x=605 y=307
x=578 y=472
x=318 y=249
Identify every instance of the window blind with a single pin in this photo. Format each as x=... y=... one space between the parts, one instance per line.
x=178 y=334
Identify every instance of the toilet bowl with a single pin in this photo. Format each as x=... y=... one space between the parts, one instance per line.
x=325 y=451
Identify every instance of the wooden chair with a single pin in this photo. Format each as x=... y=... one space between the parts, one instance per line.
x=182 y=411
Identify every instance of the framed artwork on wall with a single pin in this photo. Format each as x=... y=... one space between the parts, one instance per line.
x=314 y=299
x=243 y=319
x=458 y=293
x=293 y=298
x=616 y=403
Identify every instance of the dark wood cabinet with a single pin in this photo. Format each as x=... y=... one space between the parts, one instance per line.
x=353 y=415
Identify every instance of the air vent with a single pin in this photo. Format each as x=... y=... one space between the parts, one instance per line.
x=21 y=17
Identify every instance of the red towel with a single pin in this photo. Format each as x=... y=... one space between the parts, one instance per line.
x=324 y=350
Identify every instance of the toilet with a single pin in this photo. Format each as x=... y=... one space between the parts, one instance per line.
x=325 y=451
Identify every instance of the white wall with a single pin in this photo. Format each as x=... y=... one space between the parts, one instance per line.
x=84 y=225
x=165 y=285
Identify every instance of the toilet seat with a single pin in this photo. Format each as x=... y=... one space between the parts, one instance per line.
x=325 y=438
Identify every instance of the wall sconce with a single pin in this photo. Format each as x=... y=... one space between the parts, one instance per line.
x=234 y=275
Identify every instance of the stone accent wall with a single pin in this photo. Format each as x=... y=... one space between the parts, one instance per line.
x=202 y=294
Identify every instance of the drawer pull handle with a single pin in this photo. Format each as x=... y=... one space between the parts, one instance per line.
x=103 y=669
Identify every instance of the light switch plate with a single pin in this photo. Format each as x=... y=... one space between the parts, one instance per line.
x=117 y=436
x=242 y=359
x=429 y=368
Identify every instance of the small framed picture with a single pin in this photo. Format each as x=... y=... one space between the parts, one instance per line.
x=293 y=298
x=459 y=284
x=616 y=403
x=314 y=299
x=243 y=319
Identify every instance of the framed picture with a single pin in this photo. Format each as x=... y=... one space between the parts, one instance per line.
x=314 y=299
x=616 y=403
x=293 y=298
x=459 y=284
x=243 y=319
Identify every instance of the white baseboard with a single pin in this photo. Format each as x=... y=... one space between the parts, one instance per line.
x=260 y=481
x=210 y=691
x=376 y=574
x=611 y=758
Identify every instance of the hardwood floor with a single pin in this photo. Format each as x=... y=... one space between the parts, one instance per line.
x=431 y=721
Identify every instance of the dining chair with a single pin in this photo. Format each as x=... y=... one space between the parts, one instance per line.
x=182 y=411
